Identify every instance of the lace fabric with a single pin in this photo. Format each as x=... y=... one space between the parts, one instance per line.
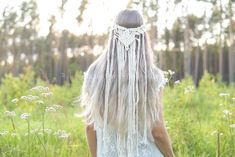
x=144 y=150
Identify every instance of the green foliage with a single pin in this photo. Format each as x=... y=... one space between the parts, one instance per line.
x=52 y=128
x=195 y=118
x=12 y=87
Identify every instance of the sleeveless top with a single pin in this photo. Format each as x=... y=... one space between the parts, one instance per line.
x=149 y=150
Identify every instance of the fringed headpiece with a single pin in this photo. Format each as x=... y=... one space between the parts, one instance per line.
x=127 y=43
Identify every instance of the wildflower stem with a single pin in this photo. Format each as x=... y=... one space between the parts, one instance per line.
x=13 y=124
x=218 y=144
x=43 y=145
x=43 y=130
x=43 y=126
x=28 y=138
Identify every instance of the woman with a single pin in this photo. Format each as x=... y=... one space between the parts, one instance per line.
x=122 y=94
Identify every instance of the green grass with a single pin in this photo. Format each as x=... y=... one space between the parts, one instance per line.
x=195 y=118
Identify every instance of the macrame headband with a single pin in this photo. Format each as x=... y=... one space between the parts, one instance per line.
x=127 y=35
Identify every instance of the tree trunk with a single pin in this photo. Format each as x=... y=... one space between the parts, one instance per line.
x=221 y=53
x=231 y=48
x=205 y=53
x=197 y=60
x=187 y=47
x=205 y=60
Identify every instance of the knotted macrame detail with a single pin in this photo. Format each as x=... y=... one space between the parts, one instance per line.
x=127 y=35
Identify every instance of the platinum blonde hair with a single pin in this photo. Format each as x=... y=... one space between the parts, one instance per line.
x=120 y=89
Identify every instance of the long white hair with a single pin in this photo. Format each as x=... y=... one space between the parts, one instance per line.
x=120 y=89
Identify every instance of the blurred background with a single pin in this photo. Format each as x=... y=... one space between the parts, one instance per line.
x=59 y=37
x=46 y=45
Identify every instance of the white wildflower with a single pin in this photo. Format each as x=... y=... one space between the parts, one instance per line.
x=170 y=72
x=62 y=134
x=25 y=116
x=40 y=102
x=10 y=114
x=29 y=98
x=165 y=72
x=40 y=89
x=14 y=134
x=46 y=130
x=233 y=99
x=177 y=82
x=47 y=94
x=188 y=89
x=57 y=107
x=214 y=132
x=227 y=112
x=14 y=100
x=232 y=126
x=32 y=97
x=50 y=109
x=24 y=97
x=224 y=94
x=3 y=133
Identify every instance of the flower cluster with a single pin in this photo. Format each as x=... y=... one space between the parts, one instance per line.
x=46 y=94
x=188 y=89
x=53 y=108
x=40 y=89
x=10 y=114
x=15 y=100
x=62 y=134
x=25 y=116
x=3 y=133
x=29 y=98
x=224 y=94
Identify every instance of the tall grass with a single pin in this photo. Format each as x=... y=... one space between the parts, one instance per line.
x=40 y=120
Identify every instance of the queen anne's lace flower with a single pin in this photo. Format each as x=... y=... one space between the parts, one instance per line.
x=62 y=134
x=3 y=133
x=25 y=116
x=47 y=94
x=10 y=113
x=14 y=100
x=40 y=89
x=232 y=126
x=50 y=109
x=224 y=94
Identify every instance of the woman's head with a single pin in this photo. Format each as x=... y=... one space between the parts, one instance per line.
x=129 y=18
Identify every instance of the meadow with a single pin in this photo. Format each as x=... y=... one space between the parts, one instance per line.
x=38 y=119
